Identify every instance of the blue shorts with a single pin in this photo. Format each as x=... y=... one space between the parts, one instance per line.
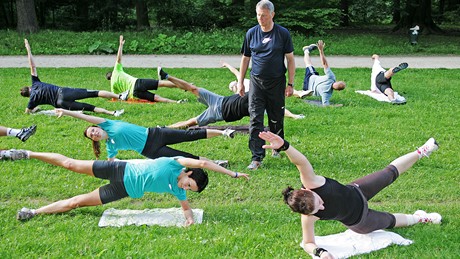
x=309 y=71
x=214 y=111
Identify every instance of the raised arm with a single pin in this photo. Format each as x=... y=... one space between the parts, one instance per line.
x=194 y=163
x=291 y=73
x=307 y=176
x=231 y=68
x=120 y=50
x=243 y=68
x=321 y=45
x=82 y=116
x=33 y=69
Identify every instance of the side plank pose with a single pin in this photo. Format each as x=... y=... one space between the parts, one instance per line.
x=322 y=198
x=22 y=134
x=164 y=175
x=318 y=85
x=150 y=142
x=62 y=97
x=233 y=87
x=121 y=82
x=381 y=80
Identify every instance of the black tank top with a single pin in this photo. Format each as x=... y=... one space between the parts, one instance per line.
x=341 y=202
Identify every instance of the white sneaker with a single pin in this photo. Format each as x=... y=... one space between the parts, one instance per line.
x=424 y=217
x=25 y=214
x=118 y=113
x=399 y=100
x=229 y=133
x=14 y=154
x=124 y=95
x=223 y=163
x=427 y=148
x=299 y=117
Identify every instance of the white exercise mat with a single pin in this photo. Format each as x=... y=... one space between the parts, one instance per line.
x=379 y=96
x=349 y=243
x=49 y=112
x=162 y=217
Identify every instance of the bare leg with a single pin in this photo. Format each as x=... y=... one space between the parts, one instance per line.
x=108 y=95
x=210 y=133
x=102 y=110
x=184 y=85
x=405 y=162
x=306 y=59
x=84 y=200
x=3 y=131
x=78 y=166
x=168 y=84
x=184 y=124
x=160 y=99
x=390 y=93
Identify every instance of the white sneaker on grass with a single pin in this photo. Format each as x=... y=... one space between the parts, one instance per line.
x=25 y=214
x=424 y=217
x=430 y=146
x=118 y=113
x=229 y=133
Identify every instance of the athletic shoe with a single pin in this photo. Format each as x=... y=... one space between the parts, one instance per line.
x=299 y=117
x=305 y=93
x=118 y=113
x=424 y=217
x=124 y=95
x=223 y=163
x=229 y=133
x=182 y=101
x=25 y=133
x=427 y=148
x=254 y=165
x=400 y=67
x=14 y=154
x=25 y=214
x=162 y=75
x=398 y=100
x=309 y=48
x=276 y=154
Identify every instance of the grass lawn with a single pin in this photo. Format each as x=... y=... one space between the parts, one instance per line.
x=242 y=219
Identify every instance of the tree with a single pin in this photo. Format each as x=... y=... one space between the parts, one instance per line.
x=418 y=12
x=142 y=15
x=27 y=18
x=345 y=17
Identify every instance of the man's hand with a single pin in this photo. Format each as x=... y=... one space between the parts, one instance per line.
x=240 y=89
x=289 y=91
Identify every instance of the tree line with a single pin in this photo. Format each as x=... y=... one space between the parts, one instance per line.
x=306 y=16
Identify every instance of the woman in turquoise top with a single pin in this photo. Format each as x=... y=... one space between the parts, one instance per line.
x=164 y=175
x=150 y=142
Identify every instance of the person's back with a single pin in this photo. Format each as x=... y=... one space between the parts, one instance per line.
x=124 y=136
x=235 y=107
x=42 y=93
x=121 y=81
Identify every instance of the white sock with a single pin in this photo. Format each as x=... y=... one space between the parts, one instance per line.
x=12 y=132
x=412 y=219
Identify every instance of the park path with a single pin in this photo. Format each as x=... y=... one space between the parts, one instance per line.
x=213 y=61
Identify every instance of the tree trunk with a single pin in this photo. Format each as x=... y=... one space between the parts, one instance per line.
x=27 y=18
x=418 y=12
x=396 y=11
x=142 y=15
x=345 y=17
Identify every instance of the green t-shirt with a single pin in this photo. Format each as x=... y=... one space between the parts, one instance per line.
x=157 y=175
x=121 y=81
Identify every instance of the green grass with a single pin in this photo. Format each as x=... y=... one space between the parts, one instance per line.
x=356 y=42
x=242 y=219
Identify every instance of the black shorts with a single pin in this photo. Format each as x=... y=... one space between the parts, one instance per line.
x=382 y=83
x=142 y=87
x=113 y=171
x=67 y=96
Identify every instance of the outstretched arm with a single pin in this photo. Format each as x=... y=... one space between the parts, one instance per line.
x=33 y=69
x=82 y=116
x=321 y=45
x=194 y=163
x=231 y=68
x=120 y=50
x=308 y=236
x=307 y=176
x=188 y=213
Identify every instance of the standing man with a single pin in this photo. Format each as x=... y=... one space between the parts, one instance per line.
x=267 y=44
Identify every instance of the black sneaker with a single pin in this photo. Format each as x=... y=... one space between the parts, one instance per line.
x=400 y=67
x=25 y=214
x=25 y=133
x=223 y=163
x=162 y=75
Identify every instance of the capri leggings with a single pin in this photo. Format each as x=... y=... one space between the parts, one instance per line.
x=368 y=186
x=382 y=83
x=113 y=171
x=67 y=96
x=159 y=138
x=142 y=87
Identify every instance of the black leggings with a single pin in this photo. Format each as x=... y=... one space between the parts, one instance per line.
x=113 y=171
x=67 y=96
x=159 y=138
x=142 y=87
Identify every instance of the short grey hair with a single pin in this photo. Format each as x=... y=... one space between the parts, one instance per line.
x=265 y=4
